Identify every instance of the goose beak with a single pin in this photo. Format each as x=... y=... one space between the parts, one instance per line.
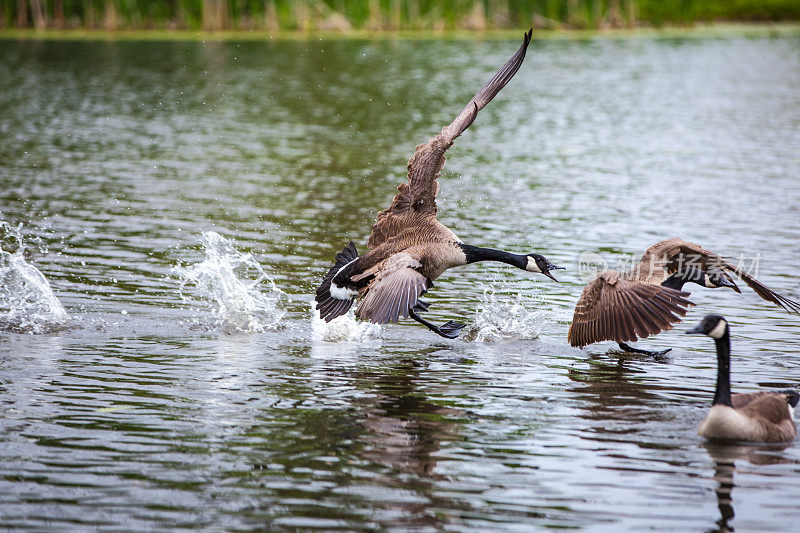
x=697 y=330
x=724 y=282
x=552 y=267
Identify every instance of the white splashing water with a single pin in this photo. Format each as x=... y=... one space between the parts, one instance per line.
x=241 y=296
x=27 y=303
x=504 y=318
x=342 y=329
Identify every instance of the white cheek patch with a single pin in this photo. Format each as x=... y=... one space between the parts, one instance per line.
x=718 y=331
x=708 y=282
x=532 y=266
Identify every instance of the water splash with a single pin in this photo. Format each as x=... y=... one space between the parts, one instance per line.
x=500 y=319
x=230 y=283
x=27 y=303
x=342 y=329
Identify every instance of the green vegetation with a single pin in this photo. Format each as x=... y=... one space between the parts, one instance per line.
x=381 y=15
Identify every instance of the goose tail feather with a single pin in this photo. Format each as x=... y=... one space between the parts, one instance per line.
x=328 y=306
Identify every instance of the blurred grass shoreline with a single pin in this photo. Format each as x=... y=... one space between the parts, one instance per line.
x=709 y=30
x=375 y=18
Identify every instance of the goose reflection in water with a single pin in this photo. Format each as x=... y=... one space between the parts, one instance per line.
x=405 y=431
x=406 y=428
x=725 y=457
x=617 y=394
x=397 y=429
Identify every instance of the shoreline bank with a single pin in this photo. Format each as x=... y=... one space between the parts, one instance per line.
x=713 y=30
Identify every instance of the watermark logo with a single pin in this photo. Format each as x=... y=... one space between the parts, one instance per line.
x=589 y=263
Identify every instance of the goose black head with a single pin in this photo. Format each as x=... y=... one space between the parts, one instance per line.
x=715 y=279
x=714 y=326
x=540 y=264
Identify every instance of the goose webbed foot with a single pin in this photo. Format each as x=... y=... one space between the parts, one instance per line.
x=631 y=349
x=449 y=329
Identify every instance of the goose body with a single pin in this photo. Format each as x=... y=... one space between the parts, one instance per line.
x=768 y=420
x=408 y=248
x=626 y=306
x=762 y=416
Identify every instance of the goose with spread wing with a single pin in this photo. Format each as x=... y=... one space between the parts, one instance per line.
x=408 y=247
x=624 y=306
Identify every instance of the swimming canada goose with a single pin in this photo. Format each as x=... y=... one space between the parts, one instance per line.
x=408 y=247
x=621 y=306
x=762 y=416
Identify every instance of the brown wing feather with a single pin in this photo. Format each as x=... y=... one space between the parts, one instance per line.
x=418 y=196
x=617 y=309
x=667 y=257
x=770 y=406
x=741 y=399
x=394 y=290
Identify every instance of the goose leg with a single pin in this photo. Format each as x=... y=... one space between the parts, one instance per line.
x=631 y=349
x=448 y=330
x=421 y=306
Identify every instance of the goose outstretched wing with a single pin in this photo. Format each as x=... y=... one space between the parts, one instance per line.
x=417 y=197
x=612 y=308
x=673 y=254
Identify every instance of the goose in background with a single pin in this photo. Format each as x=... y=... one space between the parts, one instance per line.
x=624 y=306
x=408 y=247
x=762 y=416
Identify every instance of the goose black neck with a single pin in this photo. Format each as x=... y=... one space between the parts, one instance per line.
x=691 y=274
x=476 y=253
x=722 y=394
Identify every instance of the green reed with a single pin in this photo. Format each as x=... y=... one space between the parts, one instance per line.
x=382 y=15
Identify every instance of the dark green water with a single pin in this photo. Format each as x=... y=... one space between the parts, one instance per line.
x=178 y=395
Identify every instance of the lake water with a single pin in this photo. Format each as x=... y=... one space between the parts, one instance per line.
x=182 y=200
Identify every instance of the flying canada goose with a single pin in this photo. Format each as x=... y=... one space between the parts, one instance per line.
x=762 y=416
x=408 y=247
x=621 y=306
